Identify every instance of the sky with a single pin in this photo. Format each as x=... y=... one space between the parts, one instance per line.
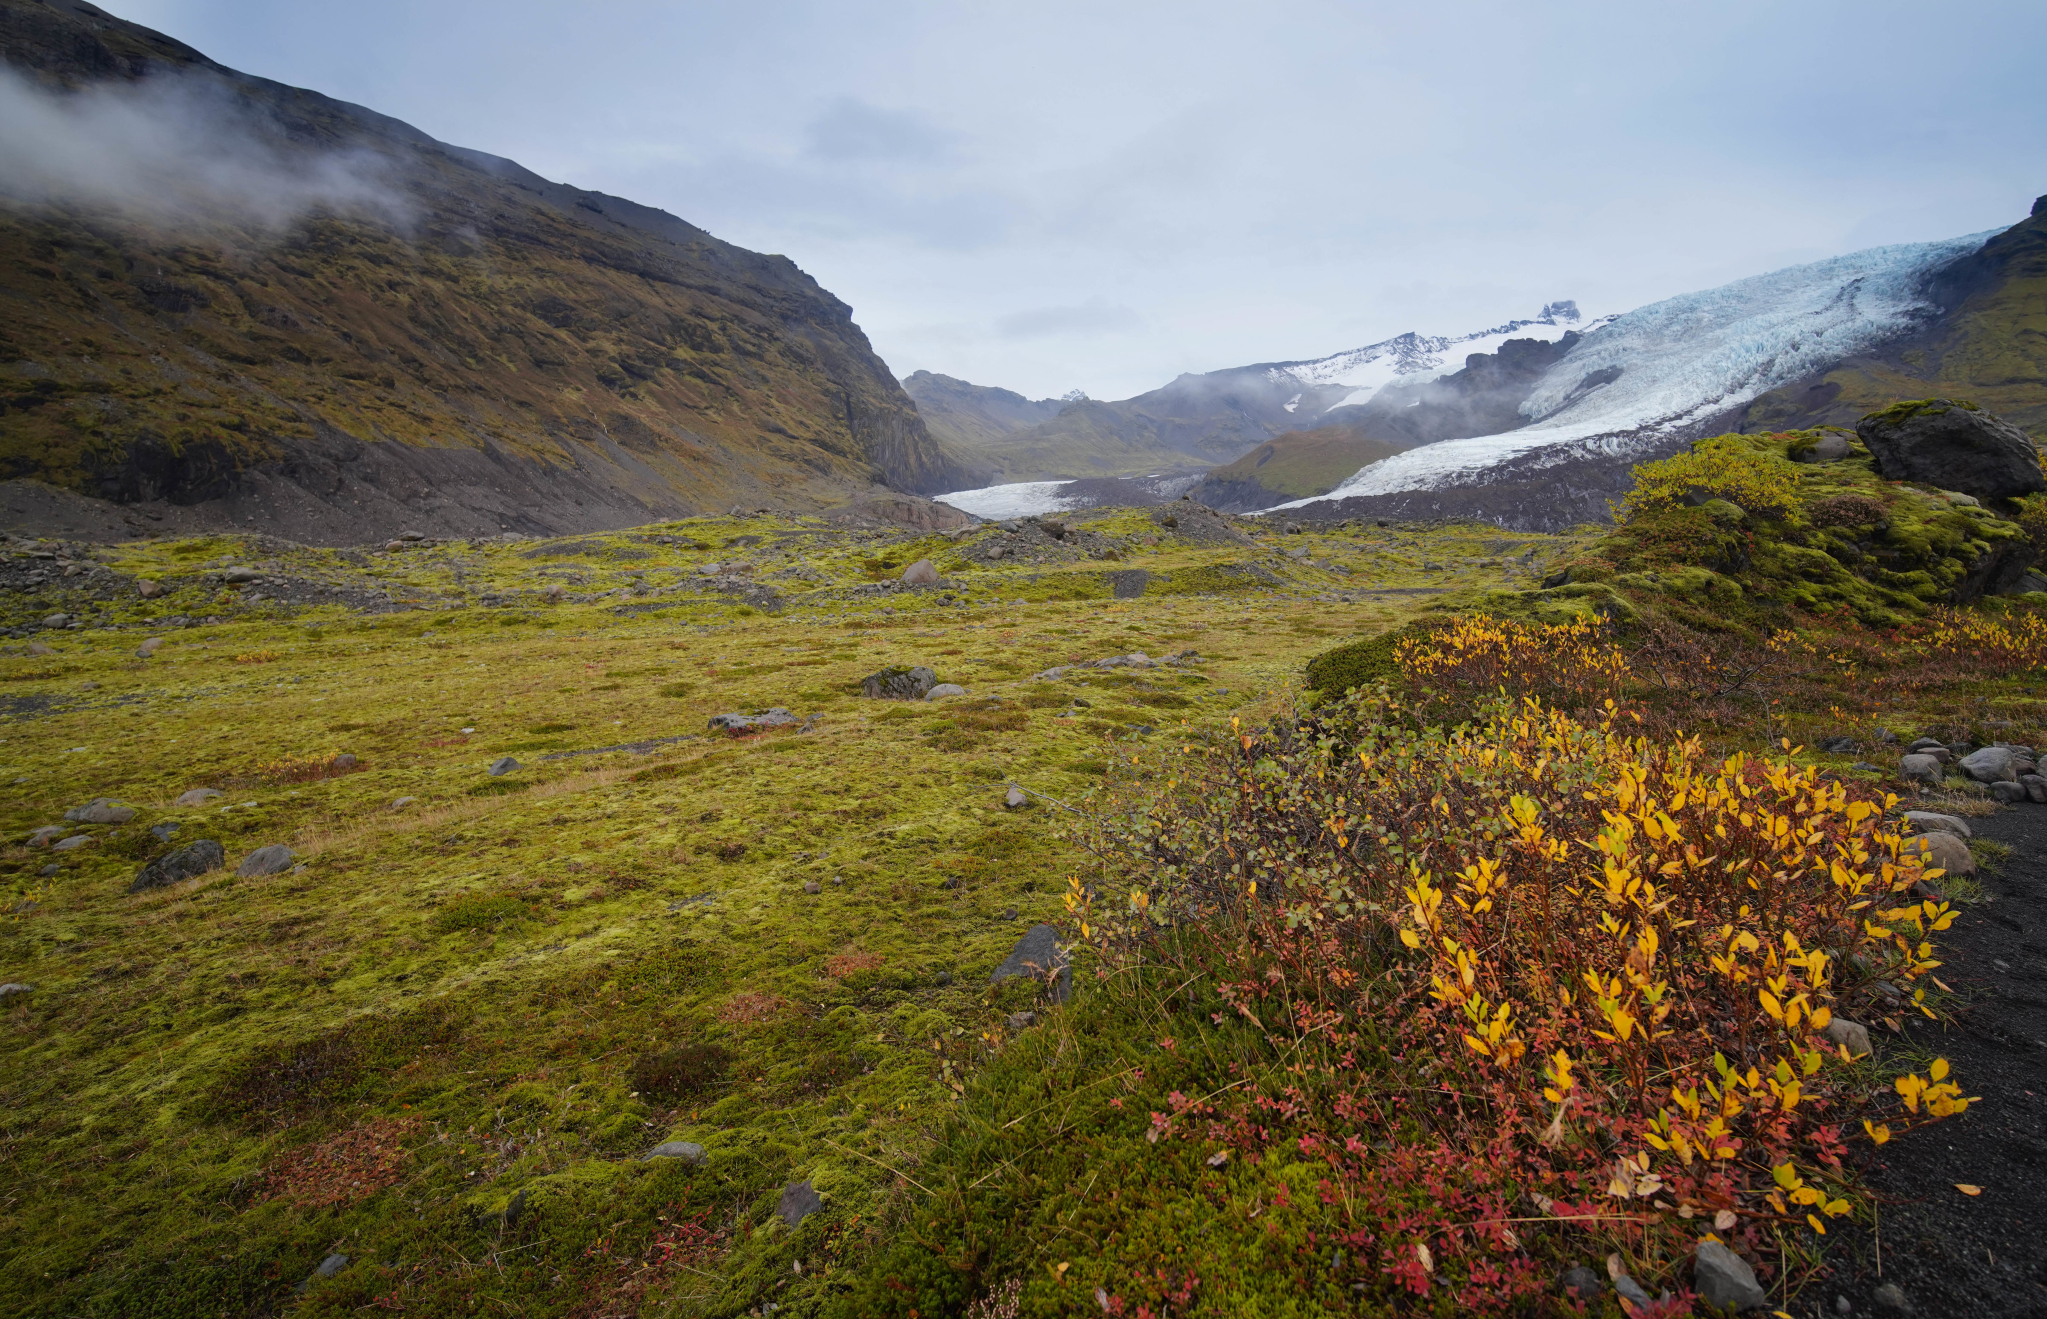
x=1100 y=196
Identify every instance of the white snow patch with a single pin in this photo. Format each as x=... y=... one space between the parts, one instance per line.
x=1016 y=500
x=1684 y=359
x=1369 y=369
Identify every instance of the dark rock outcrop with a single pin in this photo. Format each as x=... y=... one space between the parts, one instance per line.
x=1955 y=446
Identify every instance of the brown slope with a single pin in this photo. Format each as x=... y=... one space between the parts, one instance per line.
x=509 y=352
x=1988 y=344
x=1292 y=466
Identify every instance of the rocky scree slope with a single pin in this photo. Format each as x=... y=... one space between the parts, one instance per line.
x=477 y=350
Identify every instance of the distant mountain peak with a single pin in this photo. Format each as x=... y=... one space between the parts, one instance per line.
x=1367 y=370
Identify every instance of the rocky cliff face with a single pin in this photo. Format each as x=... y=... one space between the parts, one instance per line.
x=449 y=343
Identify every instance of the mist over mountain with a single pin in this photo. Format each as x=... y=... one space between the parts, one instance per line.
x=258 y=305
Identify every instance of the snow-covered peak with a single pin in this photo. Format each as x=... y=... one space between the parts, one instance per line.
x=1656 y=370
x=1367 y=370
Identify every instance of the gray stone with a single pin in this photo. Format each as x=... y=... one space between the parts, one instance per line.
x=799 y=1201
x=2035 y=786
x=2008 y=793
x=1831 y=448
x=899 y=684
x=688 y=1151
x=73 y=843
x=51 y=871
x=271 y=860
x=345 y=761
x=1836 y=745
x=1014 y=797
x=1866 y=768
x=1039 y=956
x=1991 y=765
x=331 y=1265
x=1022 y=1020
x=1724 y=1280
x=1920 y=768
x=8 y=991
x=164 y=832
x=1890 y=1299
x=240 y=574
x=1631 y=1291
x=46 y=835
x=921 y=573
x=1582 y=1284
x=740 y=724
x=404 y=802
x=943 y=690
x=57 y=620
x=812 y=886
x=1925 y=743
x=1940 y=849
x=1956 y=447
x=189 y=861
x=1935 y=822
x=148 y=590
x=149 y=647
x=1853 y=1034
x=502 y=766
x=100 y=810
x=198 y=797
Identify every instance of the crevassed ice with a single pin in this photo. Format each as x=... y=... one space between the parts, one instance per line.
x=1020 y=499
x=1686 y=358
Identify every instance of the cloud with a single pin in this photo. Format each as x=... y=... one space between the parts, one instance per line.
x=849 y=129
x=1095 y=316
x=179 y=150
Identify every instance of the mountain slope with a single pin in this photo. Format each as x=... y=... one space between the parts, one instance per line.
x=969 y=421
x=1290 y=466
x=428 y=337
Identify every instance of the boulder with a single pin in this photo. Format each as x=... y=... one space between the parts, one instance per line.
x=149 y=647
x=1940 y=849
x=1935 y=822
x=1039 y=956
x=1836 y=745
x=898 y=684
x=47 y=835
x=1925 y=744
x=502 y=766
x=688 y=1151
x=2008 y=793
x=242 y=575
x=1921 y=769
x=271 y=860
x=1831 y=448
x=100 y=810
x=2035 y=786
x=1991 y=765
x=187 y=862
x=799 y=1201
x=147 y=589
x=1724 y=1280
x=943 y=690
x=1955 y=446
x=198 y=797
x=163 y=833
x=741 y=724
x=921 y=573
x=73 y=843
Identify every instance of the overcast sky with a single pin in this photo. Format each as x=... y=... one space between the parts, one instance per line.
x=1101 y=195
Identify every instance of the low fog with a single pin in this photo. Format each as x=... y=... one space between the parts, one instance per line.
x=175 y=151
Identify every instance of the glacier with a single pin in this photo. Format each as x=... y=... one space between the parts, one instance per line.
x=1015 y=500
x=1676 y=363
x=1369 y=369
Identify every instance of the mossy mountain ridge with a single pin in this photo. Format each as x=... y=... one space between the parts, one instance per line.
x=508 y=353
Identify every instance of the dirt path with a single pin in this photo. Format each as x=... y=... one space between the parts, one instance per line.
x=1952 y=1254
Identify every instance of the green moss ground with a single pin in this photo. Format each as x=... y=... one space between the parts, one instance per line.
x=488 y=965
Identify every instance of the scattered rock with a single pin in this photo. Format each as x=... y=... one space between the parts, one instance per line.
x=198 y=797
x=163 y=832
x=502 y=766
x=188 y=862
x=1631 y=1291
x=2008 y=793
x=921 y=573
x=1831 y=448
x=1865 y=767
x=149 y=647
x=40 y=648
x=100 y=810
x=688 y=1151
x=1022 y=1020
x=1991 y=765
x=1920 y=768
x=345 y=761
x=1890 y=1299
x=799 y=1201
x=898 y=684
x=404 y=802
x=1836 y=745
x=1935 y=822
x=943 y=690
x=2035 y=786
x=271 y=860
x=1853 y=1034
x=740 y=724
x=1724 y=1279
x=329 y=1266
x=73 y=843
x=1941 y=849
x=57 y=620
x=812 y=886
x=51 y=871
x=240 y=574
x=1014 y=798
x=46 y=835
x=15 y=990
x=147 y=589
x=1954 y=446
x=1039 y=956
x=1582 y=1284
x=942 y=979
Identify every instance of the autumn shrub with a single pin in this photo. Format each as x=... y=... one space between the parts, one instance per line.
x=1532 y=976
x=345 y=1168
x=1445 y=670
x=1760 y=483
x=680 y=1072
x=1847 y=511
x=306 y=769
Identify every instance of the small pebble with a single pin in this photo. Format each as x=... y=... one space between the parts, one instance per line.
x=812 y=886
